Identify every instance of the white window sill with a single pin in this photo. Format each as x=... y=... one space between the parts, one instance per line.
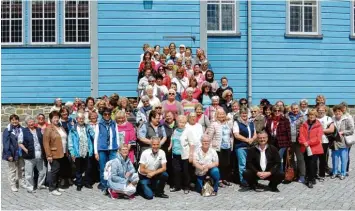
x=307 y=36
x=227 y=34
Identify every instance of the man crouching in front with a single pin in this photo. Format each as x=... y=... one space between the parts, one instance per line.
x=263 y=162
x=152 y=171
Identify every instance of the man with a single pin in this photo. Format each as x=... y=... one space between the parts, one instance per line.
x=152 y=171
x=263 y=162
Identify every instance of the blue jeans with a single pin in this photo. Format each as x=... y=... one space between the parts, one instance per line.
x=341 y=153
x=214 y=173
x=147 y=186
x=242 y=161
x=104 y=157
x=281 y=153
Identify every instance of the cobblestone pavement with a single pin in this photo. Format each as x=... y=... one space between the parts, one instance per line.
x=331 y=194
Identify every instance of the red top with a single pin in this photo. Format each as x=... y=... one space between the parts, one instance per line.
x=141 y=66
x=195 y=95
x=312 y=136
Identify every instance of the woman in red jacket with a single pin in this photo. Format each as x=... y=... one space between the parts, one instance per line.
x=310 y=139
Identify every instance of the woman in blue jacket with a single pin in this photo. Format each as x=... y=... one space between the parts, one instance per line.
x=81 y=149
x=11 y=153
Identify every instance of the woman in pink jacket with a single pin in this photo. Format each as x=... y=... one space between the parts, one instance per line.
x=310 y=139
x=126 y=133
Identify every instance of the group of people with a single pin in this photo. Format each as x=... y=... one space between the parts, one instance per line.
x=185 y=130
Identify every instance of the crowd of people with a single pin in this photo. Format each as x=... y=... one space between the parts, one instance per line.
x=185 y=130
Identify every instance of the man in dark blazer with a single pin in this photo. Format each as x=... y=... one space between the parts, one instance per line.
x=263 y=162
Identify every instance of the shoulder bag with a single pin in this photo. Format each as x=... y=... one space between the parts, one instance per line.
x=289 y=171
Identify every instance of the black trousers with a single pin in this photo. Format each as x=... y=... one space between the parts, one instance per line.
x=252 y=178
x=224 y=157
x=311 y=166
x=169 y=165
x=181 y=171
x=323 y=164
x=65 y=168
x=54 y=174
x=83 y=165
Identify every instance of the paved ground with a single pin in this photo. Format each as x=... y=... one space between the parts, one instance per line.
x=331 y=194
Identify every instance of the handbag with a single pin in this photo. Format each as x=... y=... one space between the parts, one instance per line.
x=289 y=171
x=207 y=189
x=350 y=140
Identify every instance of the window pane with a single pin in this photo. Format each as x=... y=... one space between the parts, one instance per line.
x=16 y=30
x=83 y=30
x=296 y=19
x=310 y=19
x=70 y=30
x=49 y=9
x=70 y=9
x=5 y=31
x=228 y=15
x=5 y=9
x=49 y=30
x=83 y=9
x=37 y=9
x=37 y=31
x=213 y=17
x=310 y=2
x=16 y=9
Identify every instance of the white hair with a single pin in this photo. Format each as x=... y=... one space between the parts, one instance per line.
x=28 y=118
x=80 y=115
x=149 y=87
x=304 y=101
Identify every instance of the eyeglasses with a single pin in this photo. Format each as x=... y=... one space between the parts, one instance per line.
x=277 y=111
x=244 y=103
x=171 y=93
x=253 y=111
x=145 y=101
x=228 y=95
x=158 y=107
x=106 y=114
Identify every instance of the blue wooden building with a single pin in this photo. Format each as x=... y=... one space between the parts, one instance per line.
x=285 y=49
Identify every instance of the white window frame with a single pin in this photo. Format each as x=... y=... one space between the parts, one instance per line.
x=64 y=26
x=352 y=21
x=288 y=20
x=236 y=19
x=23 y=26
x=56 y=24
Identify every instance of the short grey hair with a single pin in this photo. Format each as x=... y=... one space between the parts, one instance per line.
x=243 y=109
x=144 y=98
x=149 y=87
x=80 y=115
x=294 y=105
x=189 y=89
x=154 y=138
x=304 y=101
x=205 y=136
x=28 y=118
x=215 y=98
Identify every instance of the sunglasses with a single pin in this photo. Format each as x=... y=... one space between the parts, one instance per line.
x=243 y=103
x=228 y=95
x=158 y=107
x=106 y=114
x=171 y=93
x=277 y=110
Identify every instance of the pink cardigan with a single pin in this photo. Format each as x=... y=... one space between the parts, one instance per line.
x=129 y=135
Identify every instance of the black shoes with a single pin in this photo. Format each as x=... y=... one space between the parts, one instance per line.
x=310 y=184
x=89 y=186
x=274 y=189
x=162 y=195
x=257 y=188
x=174 y=189
x=78 y=188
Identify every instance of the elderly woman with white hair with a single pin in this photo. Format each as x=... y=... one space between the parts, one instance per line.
x=171 y=104
x=31 y=144
x=143 y=112
x=189 y=102
x=210 y=112
x=220 y=132
x=257 y=118
x=153 y=100
x=227 y=100
x=304 y=107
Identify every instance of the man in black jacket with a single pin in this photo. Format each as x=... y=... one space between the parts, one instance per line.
x=263 y=162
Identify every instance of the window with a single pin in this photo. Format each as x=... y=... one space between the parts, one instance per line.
x=222 y=16
x=76 y=22
x=43 y=22
x=11 y=22
x=303 y=17
x=352 y=19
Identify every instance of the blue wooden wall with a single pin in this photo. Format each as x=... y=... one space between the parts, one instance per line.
x=291 y=69
x=38 y=75
x=228 y=56
x=123 y=28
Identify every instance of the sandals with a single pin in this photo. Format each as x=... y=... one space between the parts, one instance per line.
x=226 y=183
x=214 y=193
x=221 y=185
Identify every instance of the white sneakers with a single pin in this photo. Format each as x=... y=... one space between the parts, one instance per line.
x=61 y=190
x=55 y=193
x=14 y=189
x=42 y=187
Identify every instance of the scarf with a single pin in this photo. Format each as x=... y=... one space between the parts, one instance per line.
x=310 y=124
x=224 y=87
x=294 y=117
x=210 y=80
x=275 y=121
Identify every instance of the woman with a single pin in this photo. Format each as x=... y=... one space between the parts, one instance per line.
x=279 y=131
x=143 y=112
x=123 y=103
x=159 y=109
x=224 y=87
x=210 y=78
x=153 y=100
x=206 y=163
x=57 y=105
x=177 y=94
x=172 y=46
x=123 y=178
x=94 y=163
x=328 y=128
x=41 y=123
x=172 y=105
x=188 y=68
x=282 y=106
x=220 y=132
x=80 y=146
x=310 y=138
x=296 y=119
x=180 y=148
x=304 y=107
x=195 y=90
x=234 y=114
x=189 y=102
x=90 y=107
x=166 y=52
x=166 y=78
x=200 y=78
x=11 y=152
x=201 y=118
x=204 y=64
x=257 y=118
x=211 y=110
x=55 y=147
x=206 y=95
x=226 y=102
x=65 y=121
x=147 y=58
x=126 y=134
x=75 y=105
x=100 y=108
x=244 y=134
x=339 y=149
x=171 y=69
x=344 y=108
x=181 y=81
x=195 y=129
x=31 y=144
x=267 y=112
